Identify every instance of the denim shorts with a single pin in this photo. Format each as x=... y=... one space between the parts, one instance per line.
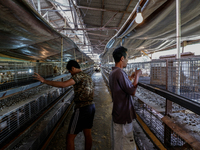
x=82 y=118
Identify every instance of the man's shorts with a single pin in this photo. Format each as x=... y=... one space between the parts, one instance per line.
x=81 y=119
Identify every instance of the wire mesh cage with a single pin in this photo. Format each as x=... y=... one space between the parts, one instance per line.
x=180 y=76
x=14 y=74
x=177 y=76
x=16 y=118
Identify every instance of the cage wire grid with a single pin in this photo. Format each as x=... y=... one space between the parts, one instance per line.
x=162 y=74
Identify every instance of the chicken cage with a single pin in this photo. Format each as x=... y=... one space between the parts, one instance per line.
x=168 y=119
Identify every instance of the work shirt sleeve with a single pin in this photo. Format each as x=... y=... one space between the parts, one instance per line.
x=125 y=84
x=76 y=78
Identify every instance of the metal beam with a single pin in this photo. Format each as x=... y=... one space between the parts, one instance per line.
x=59 y=14
x=188 y=137
x=184 y=102
x=53 y=23
x=4 y=94
x=47 y=11
x=81 y=23
x=97 y=34
x=95 y=26
x=95 y=40
x=75 y=14
x=124 y=14
x=55 y=10
x=89 y=45
x=91 y=29
x=100 y=9
x=110 y=20
x=39 y=7
x=100 y=43
x=71 y=12
x=146 y=54
x=52 y=1
x=33 y=4
x=56 y=20
x=102 y=14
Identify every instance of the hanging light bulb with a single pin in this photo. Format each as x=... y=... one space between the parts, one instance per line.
x=139 y=17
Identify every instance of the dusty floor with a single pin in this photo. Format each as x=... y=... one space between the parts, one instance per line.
x=101 y=131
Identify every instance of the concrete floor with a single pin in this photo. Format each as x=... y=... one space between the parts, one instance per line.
x=101 y=131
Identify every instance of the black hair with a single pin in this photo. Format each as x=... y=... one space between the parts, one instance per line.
x=72 y=63
x=118 y=53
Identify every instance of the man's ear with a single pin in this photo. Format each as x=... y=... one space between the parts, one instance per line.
x=122 y=58
x=73 y=68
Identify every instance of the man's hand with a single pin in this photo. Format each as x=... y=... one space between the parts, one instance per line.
x=138 y=72
x=38 y=77
x=132 y=76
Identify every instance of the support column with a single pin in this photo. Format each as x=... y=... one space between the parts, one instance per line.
x=74 y=54
x=184 y=44
x=65 y=26
x=48 y=16
x=39 y=7
x=178 y=44
x=82 y=57
x=61 y=68
x=168 y=107
x=121 y=42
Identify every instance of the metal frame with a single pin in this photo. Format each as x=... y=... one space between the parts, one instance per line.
x=187 y=103
x=17 y=116
x=163 y=130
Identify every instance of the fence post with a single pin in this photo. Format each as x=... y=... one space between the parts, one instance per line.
x=168 y=109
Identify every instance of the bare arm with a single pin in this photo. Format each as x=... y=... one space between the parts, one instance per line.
x=55 y=83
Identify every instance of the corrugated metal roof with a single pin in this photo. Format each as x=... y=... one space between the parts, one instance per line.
x=158 y=30
x=106 y=16
x=25 y=34
x=105 y=23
